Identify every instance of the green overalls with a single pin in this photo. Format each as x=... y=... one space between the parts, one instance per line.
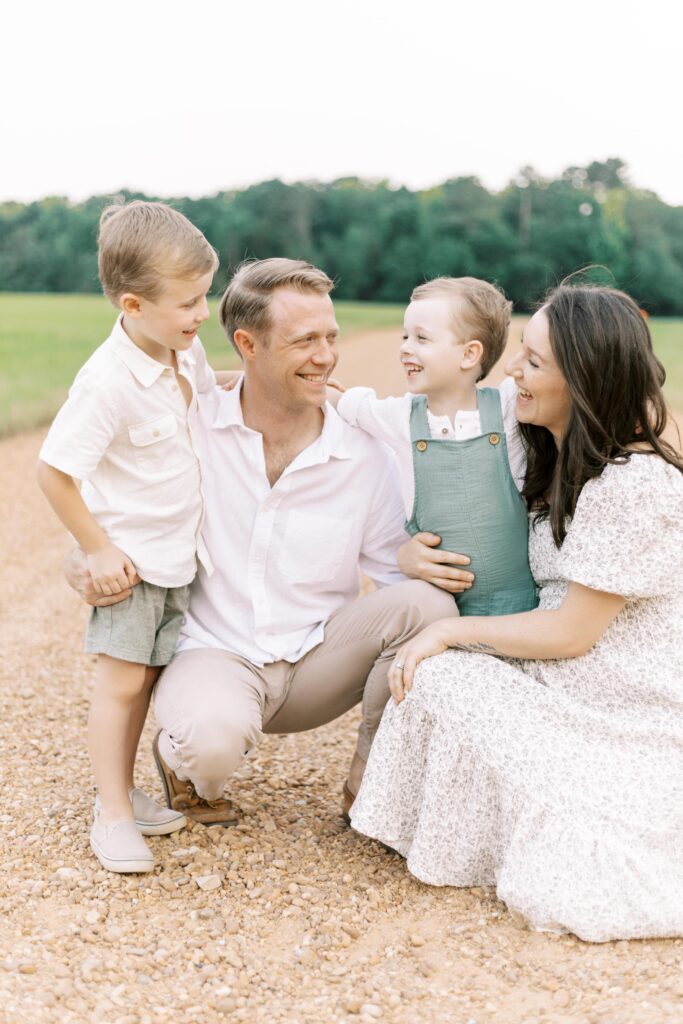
x=465 y=493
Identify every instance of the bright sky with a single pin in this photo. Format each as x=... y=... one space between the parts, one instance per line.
x=179 y=98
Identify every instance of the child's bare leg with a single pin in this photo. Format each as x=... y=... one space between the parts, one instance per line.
x=138 y=715
x=116 y=718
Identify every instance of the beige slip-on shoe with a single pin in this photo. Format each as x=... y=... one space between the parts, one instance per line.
x=120 y=847
x=151 y=818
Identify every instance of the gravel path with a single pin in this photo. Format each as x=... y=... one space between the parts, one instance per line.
x=289 y=917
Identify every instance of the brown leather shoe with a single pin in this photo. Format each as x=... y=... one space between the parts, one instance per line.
x=182 y=796
x=347 y=802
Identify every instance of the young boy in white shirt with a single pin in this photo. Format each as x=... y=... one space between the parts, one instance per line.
x=128 y=432
x=460 y=455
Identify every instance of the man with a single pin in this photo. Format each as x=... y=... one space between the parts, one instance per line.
x=275 y=639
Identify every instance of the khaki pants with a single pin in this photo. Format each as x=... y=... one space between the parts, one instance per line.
x=213 y=706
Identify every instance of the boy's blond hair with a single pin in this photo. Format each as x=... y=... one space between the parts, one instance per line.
x=245 y=304
x=480 y=311
x=140 y=243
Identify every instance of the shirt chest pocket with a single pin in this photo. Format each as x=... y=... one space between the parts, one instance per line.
x=313 y=547
x=156 y=444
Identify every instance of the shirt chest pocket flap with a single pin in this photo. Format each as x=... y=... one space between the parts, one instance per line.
x=156 y=443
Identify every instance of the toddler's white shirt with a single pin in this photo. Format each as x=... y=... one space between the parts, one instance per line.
x=125 y=431
x=389 y=420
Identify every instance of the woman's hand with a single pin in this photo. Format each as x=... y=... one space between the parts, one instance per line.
x=419 y=559
x=435 y=639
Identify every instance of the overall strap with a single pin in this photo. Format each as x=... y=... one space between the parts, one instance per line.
x=490 y=411
x=419 y=424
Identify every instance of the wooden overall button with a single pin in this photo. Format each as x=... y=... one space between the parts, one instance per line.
x=421 y=446
x=494 y=439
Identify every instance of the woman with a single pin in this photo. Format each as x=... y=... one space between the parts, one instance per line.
x=543 y=752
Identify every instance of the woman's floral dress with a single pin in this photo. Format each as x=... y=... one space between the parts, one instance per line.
x=558 y=782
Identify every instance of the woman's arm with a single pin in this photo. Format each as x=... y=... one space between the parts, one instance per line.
x=565 y=632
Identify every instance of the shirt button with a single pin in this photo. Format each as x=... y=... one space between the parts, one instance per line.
x=174 y=387
x=444 y=430
x=156 y=433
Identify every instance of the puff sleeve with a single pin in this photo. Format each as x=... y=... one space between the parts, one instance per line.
x=626 y=536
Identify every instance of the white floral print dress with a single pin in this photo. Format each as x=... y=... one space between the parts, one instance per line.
x=558 y=782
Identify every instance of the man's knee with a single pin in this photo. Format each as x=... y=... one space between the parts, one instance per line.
x=210 y=744
x=217 y=745
x=421 y=603
x=430 y=602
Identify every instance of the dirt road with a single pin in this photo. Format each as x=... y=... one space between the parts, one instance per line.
x=290 y=917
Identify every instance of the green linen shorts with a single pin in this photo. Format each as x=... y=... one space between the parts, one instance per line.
x=144 y=628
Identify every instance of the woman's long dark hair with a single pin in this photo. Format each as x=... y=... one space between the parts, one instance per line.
x=603 y=348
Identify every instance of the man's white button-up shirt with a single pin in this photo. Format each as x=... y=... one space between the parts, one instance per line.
x=126 y=431
x=286 y=557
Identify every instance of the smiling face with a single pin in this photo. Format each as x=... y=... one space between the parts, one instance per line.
x=543 y=395
x=170 y=322
x=432 y=354
x=298 y=352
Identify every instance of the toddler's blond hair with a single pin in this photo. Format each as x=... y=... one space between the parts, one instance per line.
x=480 y=311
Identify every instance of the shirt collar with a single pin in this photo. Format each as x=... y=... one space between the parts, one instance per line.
x=145 y=369
x=330 y=444
x=333 y=438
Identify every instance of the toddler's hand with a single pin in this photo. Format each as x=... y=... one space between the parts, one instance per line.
x=111 y=569
x=335 y=389
x=228 y=379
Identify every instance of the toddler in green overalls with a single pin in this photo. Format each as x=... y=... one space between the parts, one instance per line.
x=459 y=450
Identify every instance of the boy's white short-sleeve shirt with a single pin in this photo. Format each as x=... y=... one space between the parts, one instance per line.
x=126 y=431
x=389 y=420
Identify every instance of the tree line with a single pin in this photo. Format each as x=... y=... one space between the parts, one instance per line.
x=378 y=241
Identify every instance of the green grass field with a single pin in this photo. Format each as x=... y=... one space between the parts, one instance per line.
x=44 y=339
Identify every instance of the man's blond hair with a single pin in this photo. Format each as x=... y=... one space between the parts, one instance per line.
x=140 y=243
x=245 y=305
x=480 y=311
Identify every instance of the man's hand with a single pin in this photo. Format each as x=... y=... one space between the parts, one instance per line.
x=419 y=559
x=79 y=579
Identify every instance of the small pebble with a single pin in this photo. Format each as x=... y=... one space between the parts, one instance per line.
x=371 y=1010
x=208 y=882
